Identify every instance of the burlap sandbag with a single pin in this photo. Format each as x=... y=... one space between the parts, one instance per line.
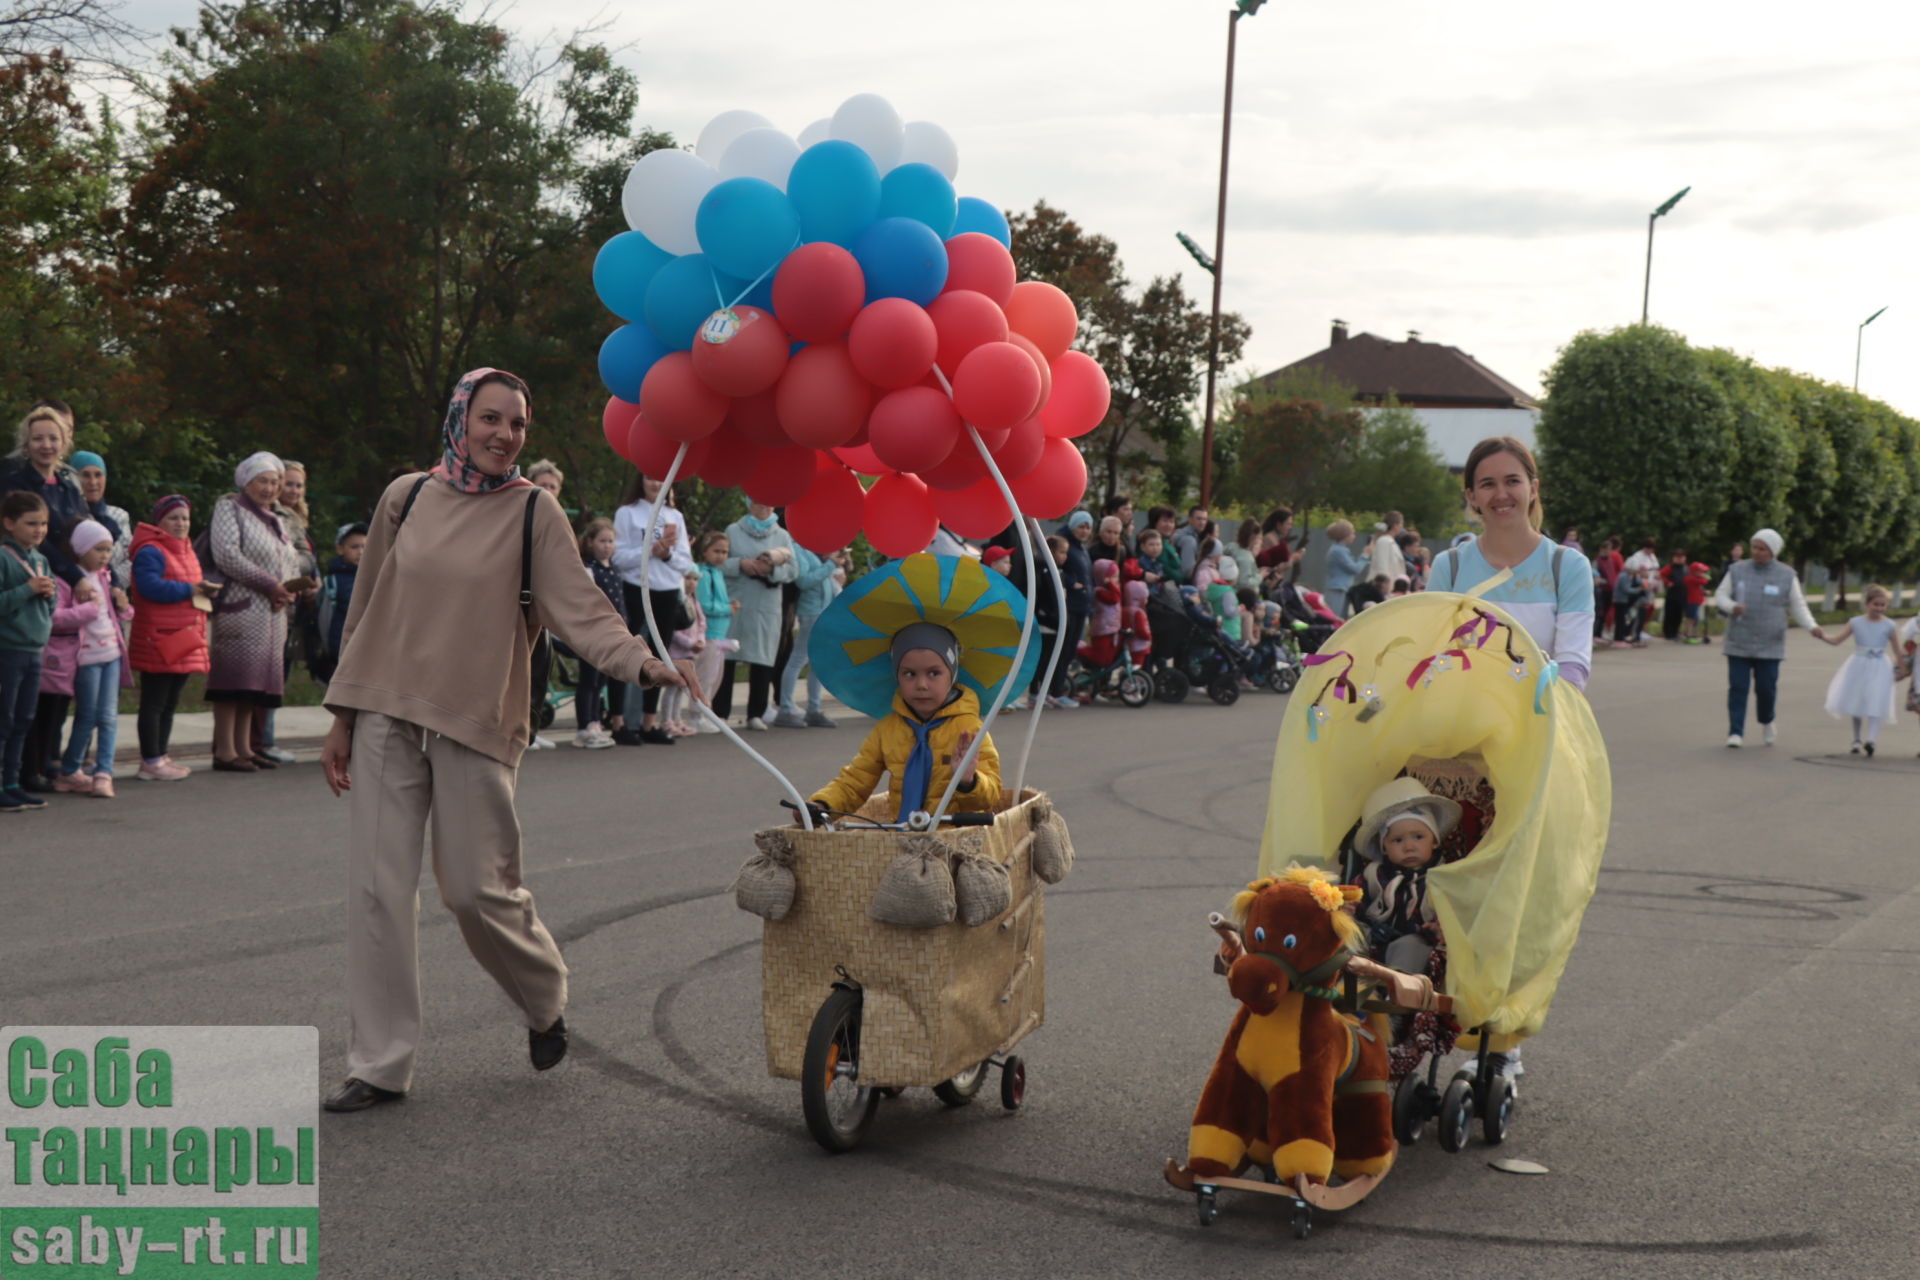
x=1052 y=847
x=765 y=883
x=917 y=888
x=982 y=887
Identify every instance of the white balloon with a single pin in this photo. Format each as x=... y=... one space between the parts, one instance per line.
x=723 y=129
x=662 y=194
x=767 y=154
x=869 y=122
x=927 y=143
x=818 y=131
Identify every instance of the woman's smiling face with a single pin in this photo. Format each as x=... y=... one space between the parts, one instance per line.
x=496 y=428
x=1502 y=491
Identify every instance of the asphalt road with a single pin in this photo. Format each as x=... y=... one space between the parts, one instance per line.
x=1726 y=1086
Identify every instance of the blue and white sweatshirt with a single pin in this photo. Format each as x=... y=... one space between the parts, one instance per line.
x=1560 y=622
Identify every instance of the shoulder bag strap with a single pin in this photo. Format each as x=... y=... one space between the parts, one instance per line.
x=526 y=554
x=407 y=506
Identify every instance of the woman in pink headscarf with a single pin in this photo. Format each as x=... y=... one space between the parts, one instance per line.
x=462 y=569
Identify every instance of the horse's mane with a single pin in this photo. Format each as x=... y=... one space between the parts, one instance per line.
x=1344 y=924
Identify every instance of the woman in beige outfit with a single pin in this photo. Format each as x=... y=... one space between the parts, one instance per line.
x=431 y=715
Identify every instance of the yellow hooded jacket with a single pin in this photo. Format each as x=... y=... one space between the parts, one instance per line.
x=891 y=742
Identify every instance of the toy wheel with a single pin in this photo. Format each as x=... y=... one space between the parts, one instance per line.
x=1136 y=689
x=1456 y=1115
x=1412 y=1108
x=1013 y=1082
x=1282 y=678
x=960 y=1090
x=1171 y=684
x=546 y=715
x=1302 y=1219
x=1224 y=690
x=1208 y=1207
x=1497 y=1118
x=837 y=1107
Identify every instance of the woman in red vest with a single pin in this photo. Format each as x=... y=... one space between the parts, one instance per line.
x=169 y=640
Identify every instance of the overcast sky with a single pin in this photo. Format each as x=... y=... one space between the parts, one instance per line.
x=1481 y=172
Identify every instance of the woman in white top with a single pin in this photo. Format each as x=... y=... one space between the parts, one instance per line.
x=654 y=570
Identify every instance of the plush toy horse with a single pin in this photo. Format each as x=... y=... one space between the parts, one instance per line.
x=1297 y=1085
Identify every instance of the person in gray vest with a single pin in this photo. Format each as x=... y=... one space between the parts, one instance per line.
x=1759 y=594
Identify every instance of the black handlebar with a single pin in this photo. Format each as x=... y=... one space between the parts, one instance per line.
x=971 y=819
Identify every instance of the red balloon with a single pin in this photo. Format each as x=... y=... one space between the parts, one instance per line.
x=862 y=459
x=677 y=403
x=651 y=450
x=1025 y=343
x=1044 y=314
x=899 y=516
x=817 y=292
x=826 y=519
x=892 y=342
x=996 y=386
x=822 y=399
x=781 y=476
x=616 y=421
x=1080 y=396
x=982 y=264
x=731 y=458
x=961 y=468
x=1056 y=486
x=757 y=420
x=913 y=429
x=1020 y=452
x=748 y=360
x=977 y=511
x=964 y=320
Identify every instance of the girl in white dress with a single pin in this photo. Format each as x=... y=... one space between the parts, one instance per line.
x=1863 y=689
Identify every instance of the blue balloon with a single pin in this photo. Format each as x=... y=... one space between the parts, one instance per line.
x=745 y=226
x=920 y=192
x=902 y=258
x=625 y=357
x=835 y=189
x=623 y=269
x=683 y=294
x=978 y=215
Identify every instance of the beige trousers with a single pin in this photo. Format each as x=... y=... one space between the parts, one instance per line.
x=403 y=778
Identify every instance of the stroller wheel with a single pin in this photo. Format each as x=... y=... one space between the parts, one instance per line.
x=1282 y=679
x=1413 y=1106
x=1170 y=684
x=546 y=715
x=1136 y=688
x=1225 y=689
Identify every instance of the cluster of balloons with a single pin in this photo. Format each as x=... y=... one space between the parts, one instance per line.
x=805 y=313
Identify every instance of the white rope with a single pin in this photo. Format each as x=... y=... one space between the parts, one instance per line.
x=660 y=647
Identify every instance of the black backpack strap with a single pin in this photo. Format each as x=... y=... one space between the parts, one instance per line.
x=526 y=553
x=407 y=506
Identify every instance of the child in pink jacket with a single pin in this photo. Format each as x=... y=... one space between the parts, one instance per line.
x=83 y=660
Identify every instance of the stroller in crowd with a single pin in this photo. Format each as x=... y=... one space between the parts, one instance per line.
x=1190 y=648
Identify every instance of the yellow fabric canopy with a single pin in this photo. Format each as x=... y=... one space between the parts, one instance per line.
x=1486 y=697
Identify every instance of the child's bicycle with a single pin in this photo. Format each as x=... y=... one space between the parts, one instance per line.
x=939 y=1006
x=1123 y=678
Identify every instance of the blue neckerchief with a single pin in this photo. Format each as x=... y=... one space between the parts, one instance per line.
x=760 y=528
x=918 y=777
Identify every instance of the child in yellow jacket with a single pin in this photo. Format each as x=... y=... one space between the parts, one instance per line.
x=933 y=723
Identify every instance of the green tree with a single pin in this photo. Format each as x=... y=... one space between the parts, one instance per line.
x=1394 y=464
x=1637 y=437
x=1152 y=344
x=1282 y=447
x=1767 y=444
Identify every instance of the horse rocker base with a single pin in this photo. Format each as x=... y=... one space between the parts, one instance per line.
x=1306 y=1196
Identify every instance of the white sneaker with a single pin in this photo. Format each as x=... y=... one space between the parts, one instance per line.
x=1767 y=734
x=542 y=744
x=278 y=756
x=1734 y=740
x=756 y=724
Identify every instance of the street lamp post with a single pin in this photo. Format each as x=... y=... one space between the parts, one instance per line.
x=1242 y=9
x=1646 y=289
x=1859 y=335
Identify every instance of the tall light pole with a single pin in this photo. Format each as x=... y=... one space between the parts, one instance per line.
x=1646 y=289
x=1859 y=335
x=1242 y=9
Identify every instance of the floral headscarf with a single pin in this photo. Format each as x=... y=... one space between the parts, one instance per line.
x=455 y=466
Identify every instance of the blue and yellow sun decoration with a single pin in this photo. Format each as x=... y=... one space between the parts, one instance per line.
x=849 y=648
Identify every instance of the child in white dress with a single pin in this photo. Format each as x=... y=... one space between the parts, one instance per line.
x=1863 y=688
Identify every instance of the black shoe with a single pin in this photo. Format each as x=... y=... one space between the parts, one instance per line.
x=35 y=784
x=628 y=737
x=358 y=1095
x=546 y=1048
x=264 y=762
x=1869 y=750
x=660 y=737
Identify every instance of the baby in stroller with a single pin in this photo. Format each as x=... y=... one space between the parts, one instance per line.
x=1399 y=838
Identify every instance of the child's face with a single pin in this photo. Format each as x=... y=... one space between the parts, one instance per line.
x=1408 y=844
x=603 y=544
x=1876 y=606
x=96 y=558
x=1060 y=556
x=716 y=554
x=690 y=584
x=28 y=530
x=177 y=523
x=1150 y=544
x=925 y=681
x=352 y=547
x=1003 y=566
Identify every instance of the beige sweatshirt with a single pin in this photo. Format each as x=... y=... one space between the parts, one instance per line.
x=435 y=634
